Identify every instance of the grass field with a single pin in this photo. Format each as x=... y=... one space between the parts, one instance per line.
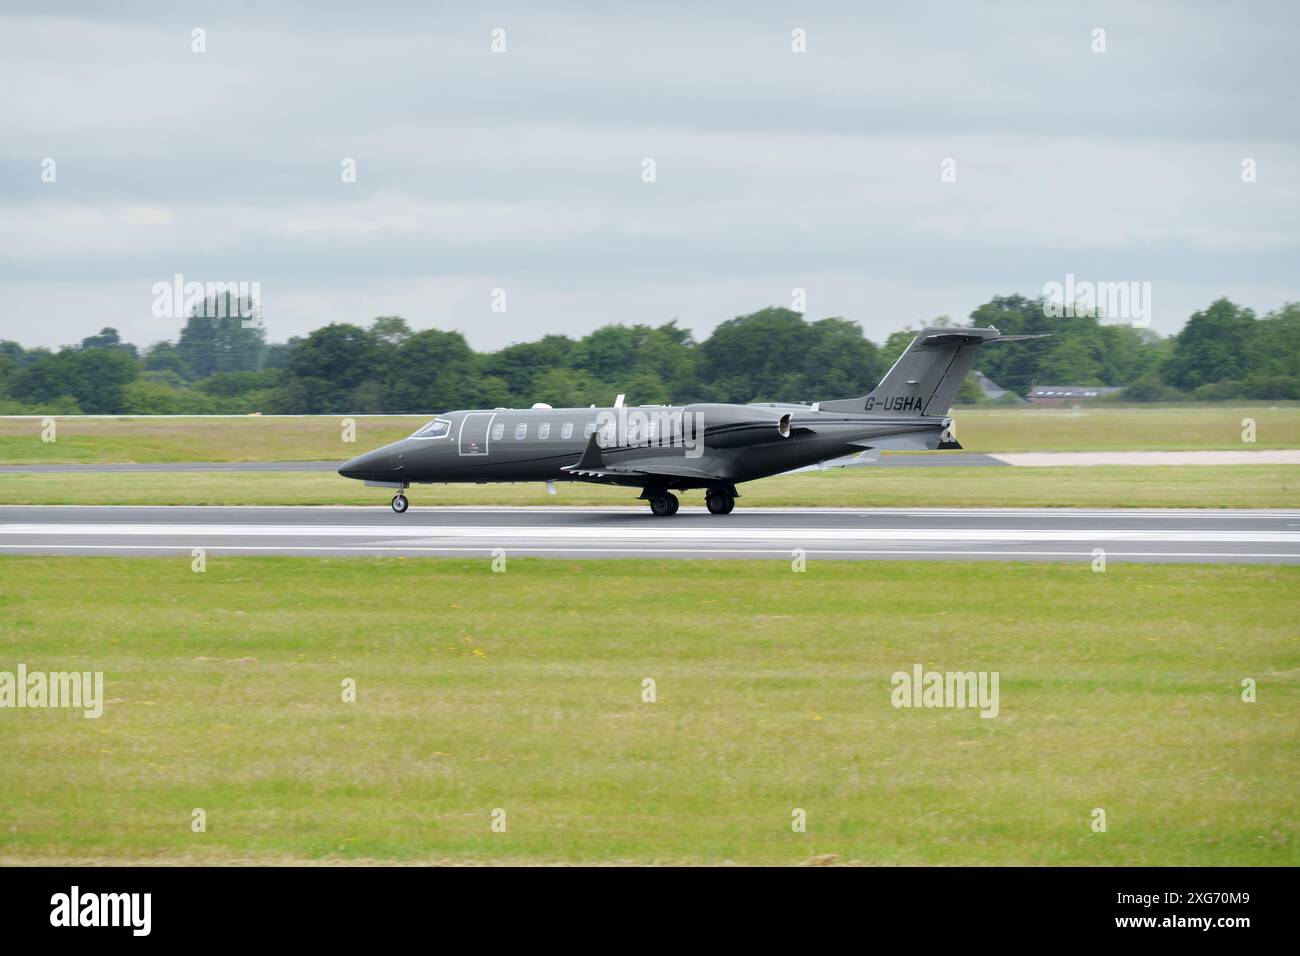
x=1192 y=427
x=522 y=691
x=1121 y=486
x=320 y=438
x=146 y=439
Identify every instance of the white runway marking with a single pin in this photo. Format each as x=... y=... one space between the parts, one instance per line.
x=666 y=532
x=848 y=533
x=640 y=508
x=783 y=552
x=1050 y=459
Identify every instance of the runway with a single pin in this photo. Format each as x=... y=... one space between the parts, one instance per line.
x=1056 y=534
x=133 y=467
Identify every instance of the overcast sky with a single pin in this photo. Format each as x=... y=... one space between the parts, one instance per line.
x=523 y=170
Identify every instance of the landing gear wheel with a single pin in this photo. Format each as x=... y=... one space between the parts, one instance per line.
x=665 y=506
x=400 y=504
x=720 y=503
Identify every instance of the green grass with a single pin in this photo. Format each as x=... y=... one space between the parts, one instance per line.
x=522 y=691
x=1192 y=427
x=1121 y=486
x=150 y=439
x=320 y=438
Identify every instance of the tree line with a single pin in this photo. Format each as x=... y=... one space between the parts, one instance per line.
x=225 y=365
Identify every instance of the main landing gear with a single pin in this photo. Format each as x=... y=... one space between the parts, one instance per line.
x=720 y=501
x=664 y=506
x=400 y=504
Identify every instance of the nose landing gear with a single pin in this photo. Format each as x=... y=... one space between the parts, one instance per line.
x=400 y=504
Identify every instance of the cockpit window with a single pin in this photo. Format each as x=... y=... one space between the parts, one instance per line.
x=438 y=428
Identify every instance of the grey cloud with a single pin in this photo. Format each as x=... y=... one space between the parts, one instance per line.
x=524 y=167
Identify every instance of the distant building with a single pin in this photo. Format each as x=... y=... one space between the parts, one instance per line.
x=1051 y=395
x=994 y=392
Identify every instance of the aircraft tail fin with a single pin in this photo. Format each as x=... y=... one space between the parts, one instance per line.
x=927 y=376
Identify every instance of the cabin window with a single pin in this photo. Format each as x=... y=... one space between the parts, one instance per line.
x=498 y=430
x=521 y=430
x=589 y=430
x=567 y=430
x=438 y=428
x=544 y=430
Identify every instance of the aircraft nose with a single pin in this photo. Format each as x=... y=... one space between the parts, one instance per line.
x=376 y=465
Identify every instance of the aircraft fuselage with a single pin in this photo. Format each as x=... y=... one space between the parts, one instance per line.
x=726 y=444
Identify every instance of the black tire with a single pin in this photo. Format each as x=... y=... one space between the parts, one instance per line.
x=400 y=504
x=673 y=503
x=719 y=503
x=662 y=507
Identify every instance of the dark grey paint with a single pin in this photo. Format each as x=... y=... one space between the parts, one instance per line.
x=951 y=459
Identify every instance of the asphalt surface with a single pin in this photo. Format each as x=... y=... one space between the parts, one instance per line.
x=1265 y=536
x=886 y=461
x=109 y=467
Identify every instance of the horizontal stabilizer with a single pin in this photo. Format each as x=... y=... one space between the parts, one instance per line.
x=973 y=337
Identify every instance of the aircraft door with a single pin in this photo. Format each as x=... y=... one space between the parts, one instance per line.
x=474 y=428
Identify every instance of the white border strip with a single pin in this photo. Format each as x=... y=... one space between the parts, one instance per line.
x=904 y=555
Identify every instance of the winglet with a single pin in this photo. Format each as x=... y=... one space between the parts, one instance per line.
x=591 y=460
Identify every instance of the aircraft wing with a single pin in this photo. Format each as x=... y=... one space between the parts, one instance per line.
x=592 y=464
x=655 y=467
x=647 y=469
x=868 y=457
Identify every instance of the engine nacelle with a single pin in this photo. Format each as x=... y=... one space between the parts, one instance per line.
x=732 y=426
